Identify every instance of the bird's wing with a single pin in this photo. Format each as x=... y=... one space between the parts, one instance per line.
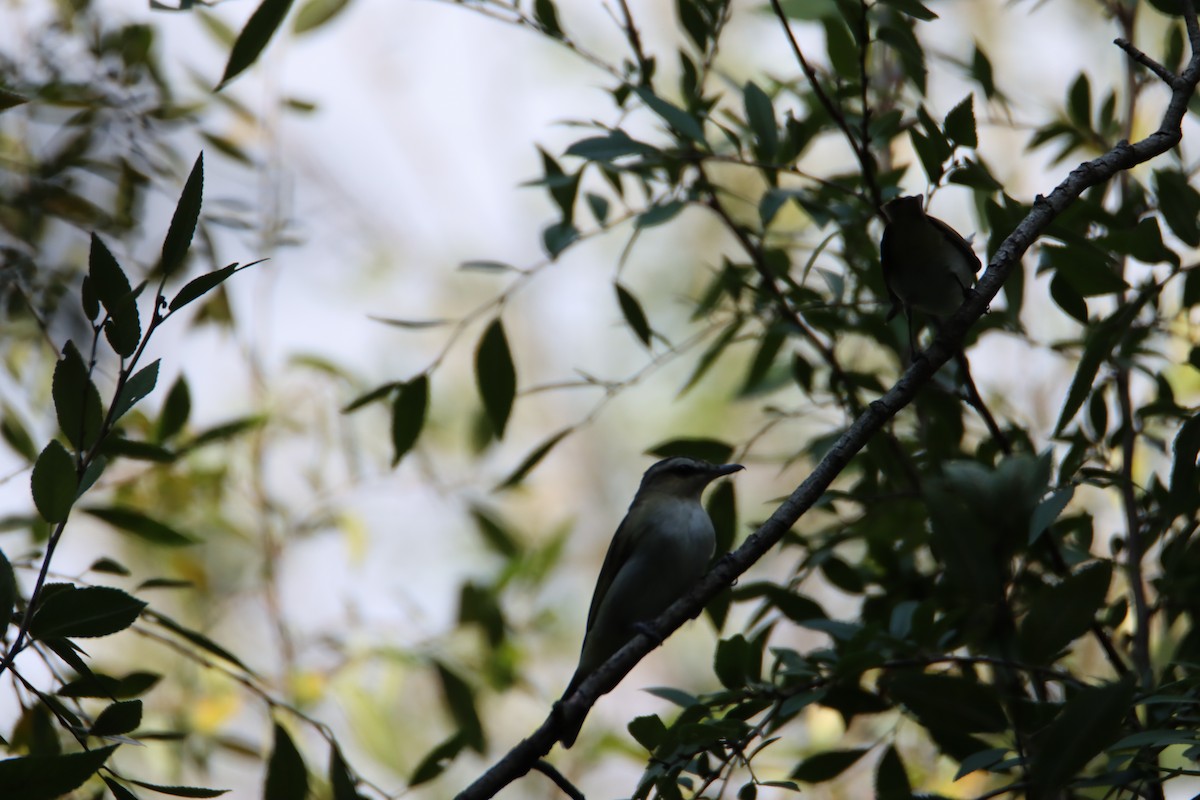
x=887 y=262
x=955 y=239
x=619 y=551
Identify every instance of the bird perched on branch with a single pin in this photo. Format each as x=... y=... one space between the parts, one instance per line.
x=927 y=265
x=659 y=551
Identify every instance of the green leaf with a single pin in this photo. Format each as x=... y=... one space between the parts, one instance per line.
x=558 y=237
x=495 y=534
x=54 y=483
x=254 y=37
x=76 y=401
x=843 y=52
x=960 y=123
x=460 y=702
x=635 y=317
x=1060 y=614
x=1089 y=721
x=1048 y=511
x=118 y=719
x=130 y=520
x=184 y=220
x=1179 y=204
x=17 y=436
x=734 y=661
x=760 y=116
x=712 y=450
x=436 y=760
x=175 y=411
x=1102 y=340
x=949 y=703
x=495 y=376
x=681 y=121
x=659 y=214
x=112 y=288
x=141 y=384
x=912 y=8
x=49 y=777
x=84 y=613
x=287 y=777
x=533 y=459
x=828 y=765
x=1079 y=103
x=198 y=287
x=408 y=415
x=608 y=148
x=315 y=13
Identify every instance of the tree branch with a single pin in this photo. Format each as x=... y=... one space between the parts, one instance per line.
x=518 y=761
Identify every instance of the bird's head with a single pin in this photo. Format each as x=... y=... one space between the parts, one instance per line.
x=682 y=476
x=908 y=208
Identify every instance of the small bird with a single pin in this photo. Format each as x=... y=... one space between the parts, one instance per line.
x=927 y=265
x=659 y=551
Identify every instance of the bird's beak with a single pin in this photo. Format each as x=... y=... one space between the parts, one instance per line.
x=721 y=470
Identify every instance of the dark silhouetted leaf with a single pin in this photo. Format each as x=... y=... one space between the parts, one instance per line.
x=495 y=376
x=828 y=765
x=180 y=791
x=83 y=613
x=533 y=459
x=436 y=760
x=287 y=777
x=8 y=593
x=76 y=401
x=891 y=779
x=49 y=777
x=341 y=780
x=1062 y=613
x=634 y=316
x=184 y=220
x=141 y=384
x=98 y=684
x=198 y=287
x=54 y=483
x=947 y=702
x=117 y=719
x=960 y=123
x=1088 y=722
x=254 y=37
x=175 y=411
x=460 y=702
x=408 y=416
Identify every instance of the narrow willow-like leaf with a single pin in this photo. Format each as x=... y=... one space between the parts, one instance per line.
x=254 y=38
x=184 y=220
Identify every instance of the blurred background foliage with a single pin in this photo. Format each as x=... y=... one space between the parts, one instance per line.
x=968 y=613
